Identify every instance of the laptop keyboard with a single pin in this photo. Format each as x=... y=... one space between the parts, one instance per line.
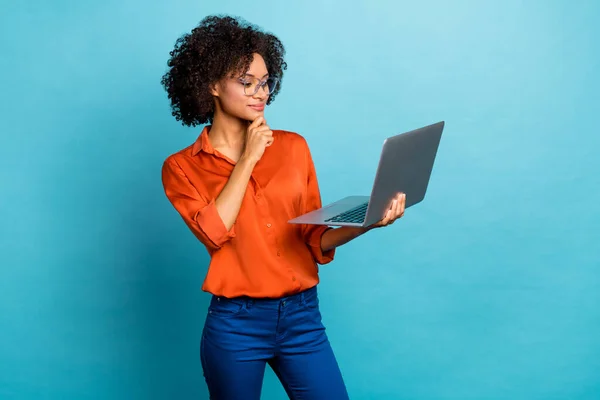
x=354 y=215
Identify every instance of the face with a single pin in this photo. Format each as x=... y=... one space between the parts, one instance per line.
x=234 y=95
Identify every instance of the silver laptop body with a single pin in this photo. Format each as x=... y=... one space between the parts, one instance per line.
x=405 y=165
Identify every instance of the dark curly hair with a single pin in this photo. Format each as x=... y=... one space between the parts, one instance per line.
x=218 y=46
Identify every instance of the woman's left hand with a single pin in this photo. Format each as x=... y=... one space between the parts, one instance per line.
x=396 y=211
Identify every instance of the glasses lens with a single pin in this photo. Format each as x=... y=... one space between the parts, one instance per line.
x=250 y=85
x=271 y=85
x=253 y=85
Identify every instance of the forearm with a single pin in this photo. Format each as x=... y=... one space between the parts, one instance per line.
x=229 y=201
x=333 y=238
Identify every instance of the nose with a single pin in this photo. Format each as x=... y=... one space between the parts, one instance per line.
x=261 y=94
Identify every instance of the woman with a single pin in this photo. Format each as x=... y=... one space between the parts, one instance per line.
x=236 y=187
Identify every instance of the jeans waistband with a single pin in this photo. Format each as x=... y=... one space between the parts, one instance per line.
x=297 y=297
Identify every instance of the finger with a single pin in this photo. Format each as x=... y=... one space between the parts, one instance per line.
x=403 y=202
x=387 y=218
x=393 y=204
x=257 y=122
x=392 y=218
x=267 y=136
x=398 y=210
x=265 y=129
x=389 y=212
x=394 y=210
x=382 y=221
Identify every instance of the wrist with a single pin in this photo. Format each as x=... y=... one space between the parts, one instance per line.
x=246 y=161
x=366 y=229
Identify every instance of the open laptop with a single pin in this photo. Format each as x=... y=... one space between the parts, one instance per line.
x=405 y=165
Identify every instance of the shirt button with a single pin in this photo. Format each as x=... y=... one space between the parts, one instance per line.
x=278 y=253
x=268 y=225
x=294 y=278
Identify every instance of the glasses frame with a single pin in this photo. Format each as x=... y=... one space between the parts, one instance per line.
x=261 y=84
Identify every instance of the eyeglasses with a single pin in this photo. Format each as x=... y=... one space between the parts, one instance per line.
x=252 y=85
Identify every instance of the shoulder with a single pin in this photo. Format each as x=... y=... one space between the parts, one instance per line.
x=290 y=138
x=188 y=151
x=178 y=158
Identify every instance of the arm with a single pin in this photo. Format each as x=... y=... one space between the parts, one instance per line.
x=229 y=201
x=333 y=238
x=258 y=136
x=323 y=239
x=211 y=220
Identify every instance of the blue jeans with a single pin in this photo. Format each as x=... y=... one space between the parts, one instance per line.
x=242 y=335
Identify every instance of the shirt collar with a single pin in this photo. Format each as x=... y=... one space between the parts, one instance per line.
x=202 y=143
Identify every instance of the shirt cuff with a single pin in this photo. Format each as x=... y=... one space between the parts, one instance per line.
x=210 y=222
x=314 y=242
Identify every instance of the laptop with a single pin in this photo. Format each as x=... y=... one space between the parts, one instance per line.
x=405 y=165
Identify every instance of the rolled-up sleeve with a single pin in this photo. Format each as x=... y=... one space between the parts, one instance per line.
x=199 y=213
x=313 y=233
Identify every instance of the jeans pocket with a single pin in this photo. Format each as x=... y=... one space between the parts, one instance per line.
x=224 y=307
x=311 y=302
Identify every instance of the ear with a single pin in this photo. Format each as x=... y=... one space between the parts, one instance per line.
x=212 y=88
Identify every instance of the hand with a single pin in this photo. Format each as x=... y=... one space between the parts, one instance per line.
x=258 y=137
x=396 y=211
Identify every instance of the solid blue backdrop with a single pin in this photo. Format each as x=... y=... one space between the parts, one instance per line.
x=489 y=289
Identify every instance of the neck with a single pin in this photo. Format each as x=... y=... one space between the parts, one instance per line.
x=227 y=131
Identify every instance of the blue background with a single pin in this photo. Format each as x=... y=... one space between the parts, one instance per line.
x=489 y=289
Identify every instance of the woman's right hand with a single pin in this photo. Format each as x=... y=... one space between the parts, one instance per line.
x=258 y=137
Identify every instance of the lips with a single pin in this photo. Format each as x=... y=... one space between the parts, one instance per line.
x=257 y=107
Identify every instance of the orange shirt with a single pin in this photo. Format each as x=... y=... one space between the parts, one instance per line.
x=262 y=255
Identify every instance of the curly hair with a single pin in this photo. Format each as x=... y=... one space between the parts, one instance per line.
x=218 y=46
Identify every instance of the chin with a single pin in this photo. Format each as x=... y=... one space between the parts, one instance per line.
x=252 y=115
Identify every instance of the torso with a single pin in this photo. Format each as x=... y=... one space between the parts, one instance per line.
x=267 y=257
